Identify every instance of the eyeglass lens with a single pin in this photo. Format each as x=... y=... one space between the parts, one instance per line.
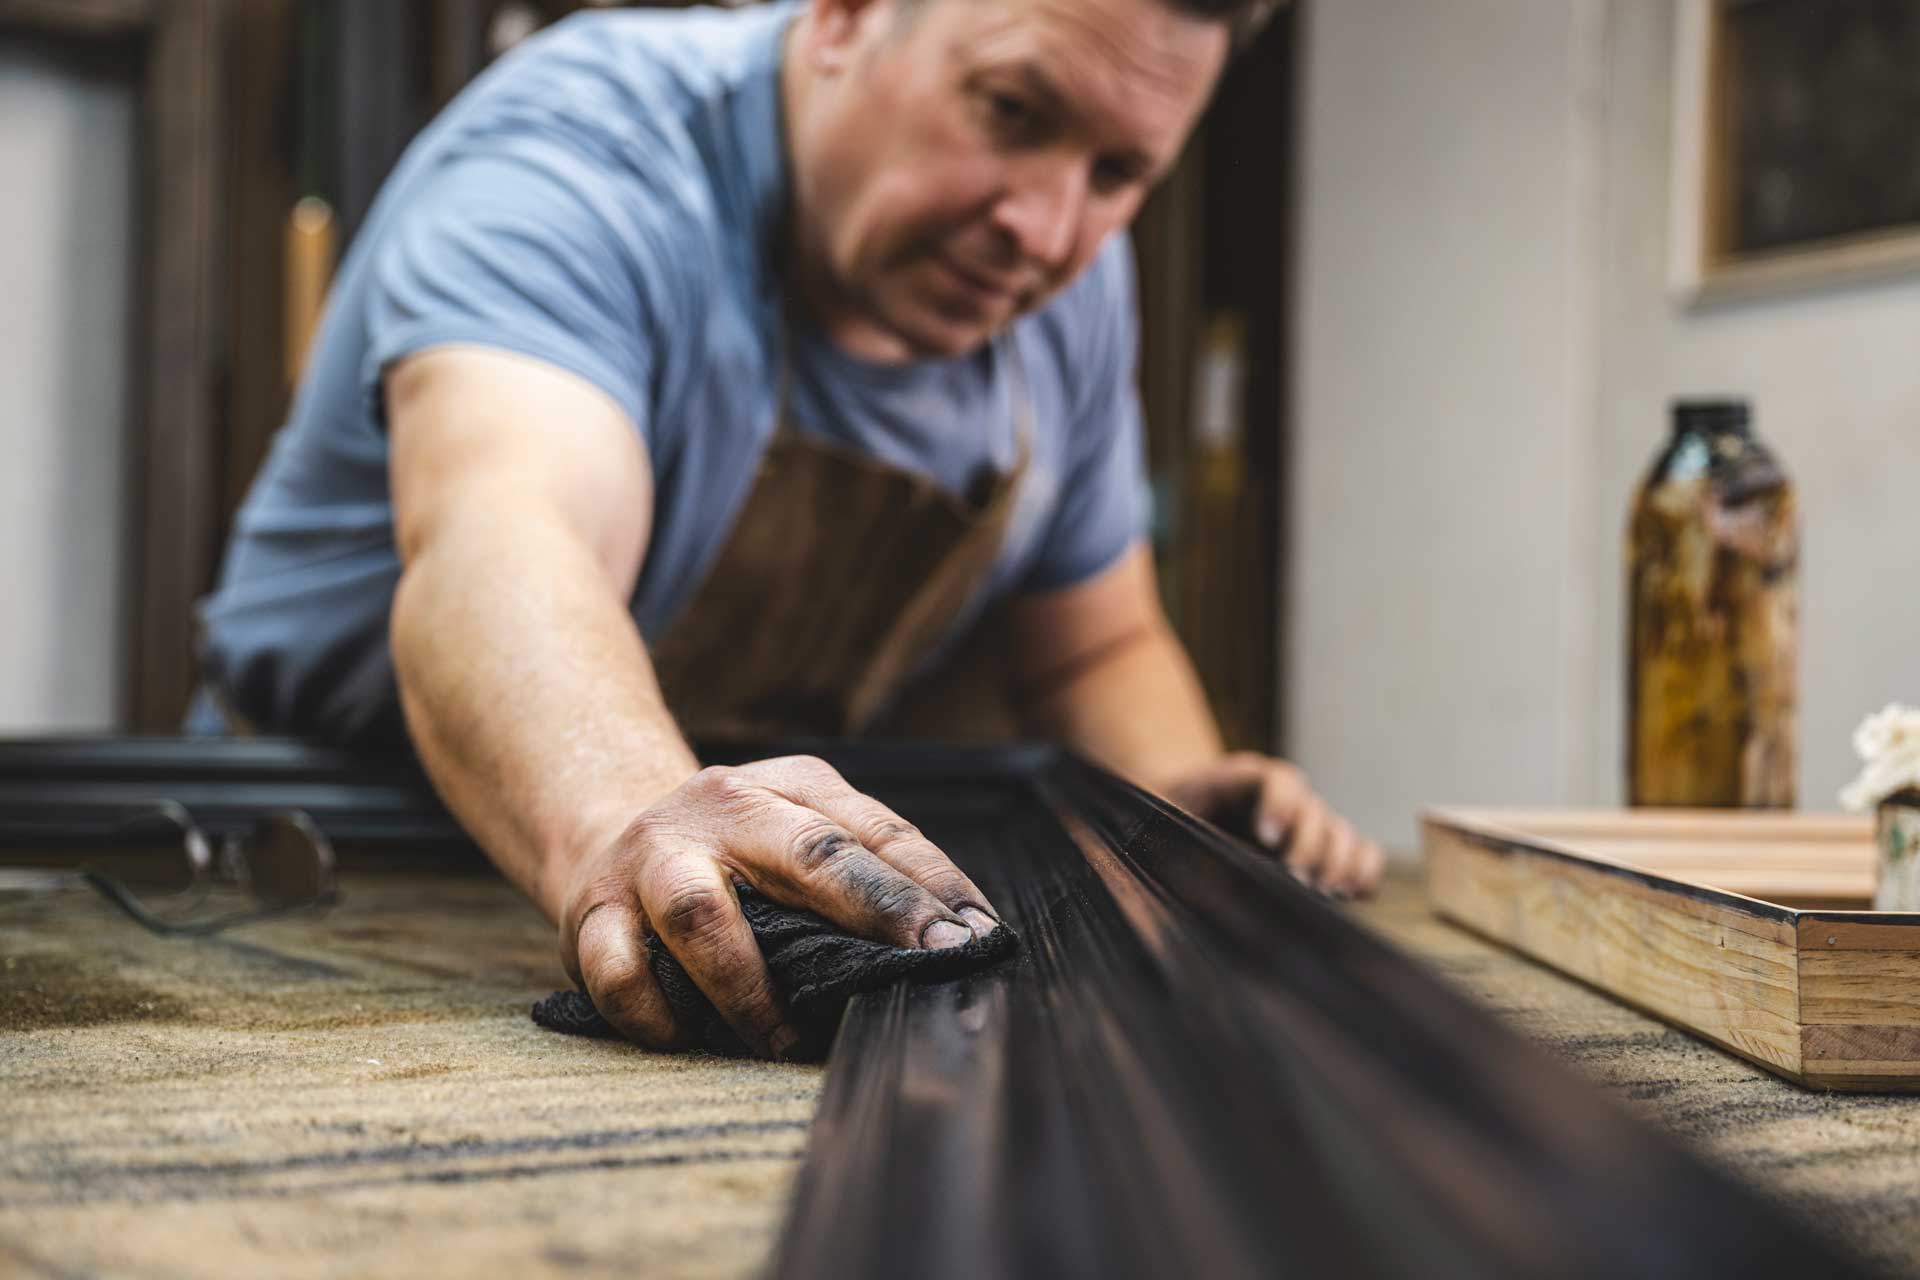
x=157 y=852
x=287 y=860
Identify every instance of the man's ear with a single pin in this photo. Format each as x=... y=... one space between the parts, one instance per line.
x=836 y=30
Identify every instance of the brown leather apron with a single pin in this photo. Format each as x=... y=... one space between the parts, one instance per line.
x=841 y=576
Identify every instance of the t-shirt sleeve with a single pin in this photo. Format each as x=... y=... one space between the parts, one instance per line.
x=538 y=255
x=1102 y=509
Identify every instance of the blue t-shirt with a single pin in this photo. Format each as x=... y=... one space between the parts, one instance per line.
x=607 y=199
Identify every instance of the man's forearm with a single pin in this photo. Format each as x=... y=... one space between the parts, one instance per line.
x=1136 y=707
x=528 y=693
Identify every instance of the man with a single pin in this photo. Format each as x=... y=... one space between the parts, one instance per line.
x=713 y=371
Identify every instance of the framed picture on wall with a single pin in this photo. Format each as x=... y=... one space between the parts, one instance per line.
x=1796 y=144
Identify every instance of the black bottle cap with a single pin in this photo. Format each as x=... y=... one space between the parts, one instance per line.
x=1709 y=415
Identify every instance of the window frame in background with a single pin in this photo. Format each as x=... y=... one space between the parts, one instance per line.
x=173 y=48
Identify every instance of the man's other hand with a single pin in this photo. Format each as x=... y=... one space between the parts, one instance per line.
x=793 y=829
x=1270 y=800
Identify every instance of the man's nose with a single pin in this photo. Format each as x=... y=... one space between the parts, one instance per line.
x=1043 y=211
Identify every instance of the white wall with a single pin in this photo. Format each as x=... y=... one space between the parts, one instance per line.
x=1486 y=349
x=65 y=228
x=1439 y=410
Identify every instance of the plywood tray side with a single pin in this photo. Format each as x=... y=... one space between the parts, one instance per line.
x=1860 y=1000
x=1709 y=968
x=1829 y=999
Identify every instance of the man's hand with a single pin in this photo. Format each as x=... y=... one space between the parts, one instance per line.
x=1272 y=801
x=1104 y=672
x=793 y=829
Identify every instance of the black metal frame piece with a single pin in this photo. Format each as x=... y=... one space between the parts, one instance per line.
x=1196 y=1067
x=62 y=792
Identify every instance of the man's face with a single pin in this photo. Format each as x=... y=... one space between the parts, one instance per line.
x=968 y=159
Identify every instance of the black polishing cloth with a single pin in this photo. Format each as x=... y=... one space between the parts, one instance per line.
x=816 y=968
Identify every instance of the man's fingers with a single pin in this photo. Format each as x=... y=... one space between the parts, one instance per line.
x=1281 y=799
x=691 y=905
x=902 y=846
x=610 y=963
x=1319 y=846
x=1337 y=871
x=1373 y=864
x=797 y=855
x=1285 y=808
x=1307 y=841
x=1230 y=783
x=813 y=784
x=803 y=857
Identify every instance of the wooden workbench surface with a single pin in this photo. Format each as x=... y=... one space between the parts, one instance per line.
x=364 y=1094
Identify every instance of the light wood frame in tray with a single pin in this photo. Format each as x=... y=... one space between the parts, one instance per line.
x=1747 y=929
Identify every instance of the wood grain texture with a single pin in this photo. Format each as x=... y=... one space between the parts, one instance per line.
x=257 y=161
x=1845 y=988
x=1858 y=931
x=1859 y=1044
x=177 y=540
x=1728 y=910
x=1683 y=915
x=1706 y=826
x=1693 y=964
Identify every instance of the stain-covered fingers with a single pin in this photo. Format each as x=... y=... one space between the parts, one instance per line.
x=806 y=858
x=819 y=843
x=691 y=904
x=744 y=824
x=811 y=784
x=610 y=964
x=903 y=846
x=803 y=857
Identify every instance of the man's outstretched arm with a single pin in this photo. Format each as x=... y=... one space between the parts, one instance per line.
x=1098 y=666
x=522 y=500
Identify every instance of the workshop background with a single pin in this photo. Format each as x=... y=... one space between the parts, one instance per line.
x=1414 y=309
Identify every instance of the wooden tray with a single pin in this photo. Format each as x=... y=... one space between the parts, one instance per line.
x=1748 y=929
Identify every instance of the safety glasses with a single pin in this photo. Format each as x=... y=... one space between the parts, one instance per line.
x=159 y=866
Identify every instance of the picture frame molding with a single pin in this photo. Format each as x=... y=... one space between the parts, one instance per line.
x=1700 y=272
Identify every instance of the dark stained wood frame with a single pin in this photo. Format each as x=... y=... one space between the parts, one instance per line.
x=172 y=436
x=1198 y=1067
x=260 y=193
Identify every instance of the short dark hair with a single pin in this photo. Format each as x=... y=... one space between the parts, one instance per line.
x=1244 y=18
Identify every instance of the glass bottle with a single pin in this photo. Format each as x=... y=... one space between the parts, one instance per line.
x=1713 y=625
